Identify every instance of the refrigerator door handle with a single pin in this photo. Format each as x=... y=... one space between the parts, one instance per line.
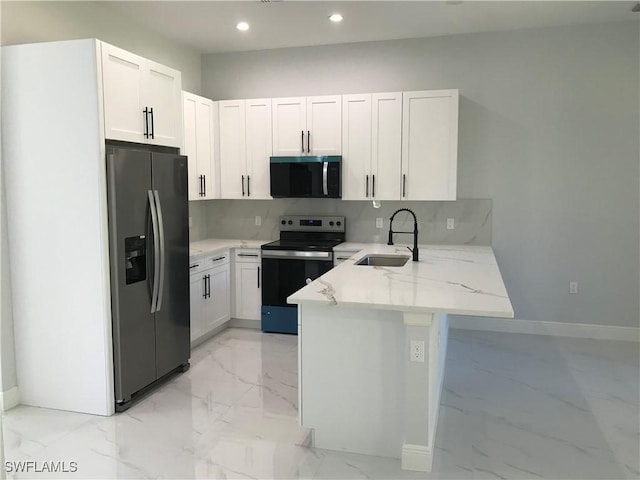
x=162 y=250
x=325 y=188
x=156 y=251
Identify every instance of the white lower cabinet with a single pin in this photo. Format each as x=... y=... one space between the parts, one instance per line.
x=340 y=256
x=210 y=294
x=248 y=281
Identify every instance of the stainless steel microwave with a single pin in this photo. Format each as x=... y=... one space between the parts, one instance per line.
x=306 y=176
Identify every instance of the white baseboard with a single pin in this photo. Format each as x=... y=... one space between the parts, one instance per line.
x=9 y=399
x=242 y=323
x=417 y=458
x=538 y=327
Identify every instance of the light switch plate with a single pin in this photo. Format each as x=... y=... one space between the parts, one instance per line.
x=379 y=222
x=451 y=224
x=258 y=220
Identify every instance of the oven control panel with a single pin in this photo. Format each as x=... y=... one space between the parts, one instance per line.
x=311 y=223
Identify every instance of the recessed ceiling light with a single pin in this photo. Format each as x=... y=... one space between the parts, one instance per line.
x=242 y=26
x=336 y=17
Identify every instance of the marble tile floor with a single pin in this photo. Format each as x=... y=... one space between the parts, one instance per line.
x=513 y=406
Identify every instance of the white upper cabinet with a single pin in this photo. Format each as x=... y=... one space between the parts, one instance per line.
x=372 y=139
x=289 y=125
x=307 y=126
x=233 y=150
x=162 y=96
x=245 y=148
x=324 y=125
x=356 y=145
x=142 y=99
x=429 y=145
x=199 y=133
x=259 y=147
x=386 y=145
x=122 y=87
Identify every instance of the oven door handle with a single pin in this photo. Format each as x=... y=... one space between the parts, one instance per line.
x=323 y=256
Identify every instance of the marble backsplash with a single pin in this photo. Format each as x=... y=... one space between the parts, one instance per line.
x=237 y=219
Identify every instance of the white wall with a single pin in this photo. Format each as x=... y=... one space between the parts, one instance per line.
x=29 y=22
x=548 y=130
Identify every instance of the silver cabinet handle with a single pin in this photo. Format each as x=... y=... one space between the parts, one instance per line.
x=156 y=251
x=248 y=185
x=325 y=170
x=218 y=259
x=242 y=185
x=308 y=141
x=373 y=186
x=366 y=186
x=162 y=250
x=302 y=141
x=404 y=185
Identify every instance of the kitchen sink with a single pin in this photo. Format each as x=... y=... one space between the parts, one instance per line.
x=383 y=260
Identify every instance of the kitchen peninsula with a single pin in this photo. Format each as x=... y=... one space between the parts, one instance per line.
x=372 y=345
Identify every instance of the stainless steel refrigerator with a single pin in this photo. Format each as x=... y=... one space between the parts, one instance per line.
x=149 y=257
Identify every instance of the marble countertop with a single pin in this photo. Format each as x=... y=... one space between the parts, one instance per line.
x=213 y=245
x=456 y=279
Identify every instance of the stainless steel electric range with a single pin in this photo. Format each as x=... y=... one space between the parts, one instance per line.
x=303 y=253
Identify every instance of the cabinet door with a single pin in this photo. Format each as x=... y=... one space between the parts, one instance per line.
x=429 y=145
x=198 y=140
x=386 y=146
x=356 y=147
x=232 y=149
x=196 y=296
x=248 y=293
x=122 y=74
x=189 y=143
x=324 y=123
x=161 y=91
x=259 y=147
x=217 y=306
x=206 y=112
x=289 y=126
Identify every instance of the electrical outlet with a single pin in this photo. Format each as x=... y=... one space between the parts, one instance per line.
x=190 y=222
x=417 y=351
x=573 y=287
x=450 y=224
x=258 y=220
x=379 y=222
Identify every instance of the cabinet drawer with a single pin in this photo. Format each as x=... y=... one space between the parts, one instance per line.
x=216 y=260
x=340 y=256
x=196 y=266
x=247 y=255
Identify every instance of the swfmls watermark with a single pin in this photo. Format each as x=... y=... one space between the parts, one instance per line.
x=32 y=466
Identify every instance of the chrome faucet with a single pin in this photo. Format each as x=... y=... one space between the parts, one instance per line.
x=415 y=232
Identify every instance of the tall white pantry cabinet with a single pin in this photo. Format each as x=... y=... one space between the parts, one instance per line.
x=55 y=99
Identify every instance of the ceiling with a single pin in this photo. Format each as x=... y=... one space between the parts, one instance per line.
x=209 y=26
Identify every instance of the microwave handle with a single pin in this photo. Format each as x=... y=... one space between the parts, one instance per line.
x=325 y=187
